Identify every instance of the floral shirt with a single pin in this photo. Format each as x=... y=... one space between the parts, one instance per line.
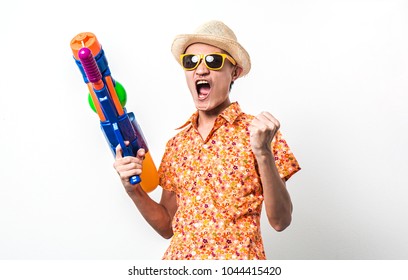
x=218 y=188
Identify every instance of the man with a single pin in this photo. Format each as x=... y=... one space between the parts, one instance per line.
x=217 y=171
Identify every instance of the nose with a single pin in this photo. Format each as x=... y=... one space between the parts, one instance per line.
x=202 y=69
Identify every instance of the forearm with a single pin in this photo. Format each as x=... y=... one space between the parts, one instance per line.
x=156 y=214
x=278 y=204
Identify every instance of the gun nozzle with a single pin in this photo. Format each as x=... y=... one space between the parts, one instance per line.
x=85 y=40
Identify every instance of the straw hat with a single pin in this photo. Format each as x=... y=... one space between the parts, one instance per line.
x=217 y=34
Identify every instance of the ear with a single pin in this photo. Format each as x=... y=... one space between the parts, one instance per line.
x=236 y=73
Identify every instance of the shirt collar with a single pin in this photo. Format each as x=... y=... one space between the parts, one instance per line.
x=230 y=114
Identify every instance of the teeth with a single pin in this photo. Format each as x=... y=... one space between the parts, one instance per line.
x=202 y=82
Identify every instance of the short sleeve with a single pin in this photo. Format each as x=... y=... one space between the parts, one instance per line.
x=165 y=169
x=285 y=160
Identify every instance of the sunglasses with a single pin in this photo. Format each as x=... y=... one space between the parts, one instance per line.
x=213 y=61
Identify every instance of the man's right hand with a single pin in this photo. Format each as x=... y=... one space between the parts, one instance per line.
x=129 y=166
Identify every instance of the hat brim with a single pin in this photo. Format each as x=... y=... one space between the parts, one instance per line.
x=241 y=56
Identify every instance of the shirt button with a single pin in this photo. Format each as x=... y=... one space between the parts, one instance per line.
x=205 y=146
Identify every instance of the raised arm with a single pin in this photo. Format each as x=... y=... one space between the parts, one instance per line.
x=277 y=200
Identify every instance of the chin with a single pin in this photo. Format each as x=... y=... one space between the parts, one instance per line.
x=202 y=107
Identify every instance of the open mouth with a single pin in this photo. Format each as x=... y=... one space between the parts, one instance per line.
x=203 y=89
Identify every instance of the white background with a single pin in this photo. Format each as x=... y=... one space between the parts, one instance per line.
x=335 y=73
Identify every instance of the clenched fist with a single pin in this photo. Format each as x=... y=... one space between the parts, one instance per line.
x=262 y=131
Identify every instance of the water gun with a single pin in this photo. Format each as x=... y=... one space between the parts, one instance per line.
x=107 y=98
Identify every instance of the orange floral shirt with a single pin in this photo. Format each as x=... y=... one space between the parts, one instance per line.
x=218 y=188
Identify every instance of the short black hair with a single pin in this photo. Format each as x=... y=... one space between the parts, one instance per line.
x=231 y=85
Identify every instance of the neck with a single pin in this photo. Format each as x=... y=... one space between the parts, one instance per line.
x=207 y=117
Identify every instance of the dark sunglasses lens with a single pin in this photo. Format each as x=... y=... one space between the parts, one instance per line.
x=214 y=60
x=190 y=61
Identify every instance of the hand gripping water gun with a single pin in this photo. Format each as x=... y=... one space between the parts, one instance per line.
x=107 y=98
